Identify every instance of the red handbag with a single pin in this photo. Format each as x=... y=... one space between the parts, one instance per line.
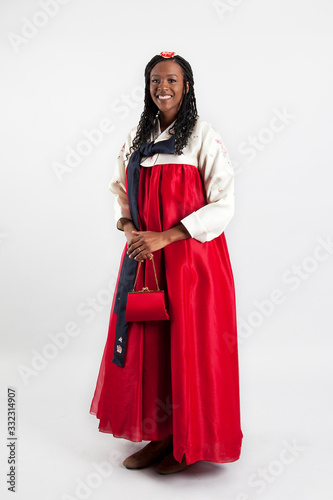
x=146 y=305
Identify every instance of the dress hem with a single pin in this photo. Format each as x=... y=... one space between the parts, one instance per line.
x=158 y=438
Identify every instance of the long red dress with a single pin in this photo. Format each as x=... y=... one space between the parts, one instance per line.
x=180 y=376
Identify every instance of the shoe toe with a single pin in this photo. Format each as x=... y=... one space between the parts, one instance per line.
x=145 y=457
x=169 y=465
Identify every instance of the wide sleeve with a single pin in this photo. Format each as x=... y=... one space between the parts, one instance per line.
x=117 y=184
x=217 y=173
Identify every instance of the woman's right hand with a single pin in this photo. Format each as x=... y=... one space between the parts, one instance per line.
x=131 y=238
x=128 y=227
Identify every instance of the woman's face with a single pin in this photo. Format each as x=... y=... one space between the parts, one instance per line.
x=166 y=86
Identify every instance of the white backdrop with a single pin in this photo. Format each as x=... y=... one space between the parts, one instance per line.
x=71 y=89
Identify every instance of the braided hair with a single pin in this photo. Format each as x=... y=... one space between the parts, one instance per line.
x=187 y=114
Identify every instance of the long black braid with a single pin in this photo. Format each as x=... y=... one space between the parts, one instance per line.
x=187 y=114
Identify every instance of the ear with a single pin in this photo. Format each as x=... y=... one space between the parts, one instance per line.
x=187 y=87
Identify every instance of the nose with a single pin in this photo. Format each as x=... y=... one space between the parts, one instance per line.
x=163 y=85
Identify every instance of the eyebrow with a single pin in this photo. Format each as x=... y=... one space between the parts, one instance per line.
x=169 y=74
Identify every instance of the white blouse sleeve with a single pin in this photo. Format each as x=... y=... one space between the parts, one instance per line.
x=217 y=173
x=117 y=184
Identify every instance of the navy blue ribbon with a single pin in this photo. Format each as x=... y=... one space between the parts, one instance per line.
x=129 y=266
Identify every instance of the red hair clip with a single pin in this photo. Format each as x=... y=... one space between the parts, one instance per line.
x=168 y=54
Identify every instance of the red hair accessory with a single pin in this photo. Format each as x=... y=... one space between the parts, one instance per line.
x=168 y=54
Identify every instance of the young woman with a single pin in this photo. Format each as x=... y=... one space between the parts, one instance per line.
x=174 y=383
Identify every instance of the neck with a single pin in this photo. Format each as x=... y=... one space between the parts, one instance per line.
x=165 y=121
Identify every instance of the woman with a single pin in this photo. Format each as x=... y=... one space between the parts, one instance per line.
x=174 y=383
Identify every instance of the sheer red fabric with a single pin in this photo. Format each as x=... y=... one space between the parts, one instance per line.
x=180 y=376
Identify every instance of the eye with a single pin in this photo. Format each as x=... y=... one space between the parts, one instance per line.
x=154 y=80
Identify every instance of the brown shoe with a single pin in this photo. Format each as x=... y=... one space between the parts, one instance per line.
x=155 y=450
x=169 y=465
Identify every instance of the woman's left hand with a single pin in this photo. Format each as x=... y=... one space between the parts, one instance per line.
x=144 y=243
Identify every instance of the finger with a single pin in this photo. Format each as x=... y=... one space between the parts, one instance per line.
x=139 y=259
x=134 y=252
x=144 y=254
x=134 y=239
x=141 y=254
x=133 y=245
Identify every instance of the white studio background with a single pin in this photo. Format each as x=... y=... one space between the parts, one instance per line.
x=263 y=78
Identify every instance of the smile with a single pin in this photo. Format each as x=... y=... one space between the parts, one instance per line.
x=164 y=97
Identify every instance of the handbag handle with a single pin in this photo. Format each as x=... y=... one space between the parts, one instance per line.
x=137 y=274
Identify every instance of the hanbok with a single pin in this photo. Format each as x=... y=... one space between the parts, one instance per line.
x=180 y=376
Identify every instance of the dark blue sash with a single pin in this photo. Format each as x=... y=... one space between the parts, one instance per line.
x=129 y=267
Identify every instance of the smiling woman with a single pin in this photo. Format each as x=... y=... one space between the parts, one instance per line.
x=167 y=90
x=173 y=383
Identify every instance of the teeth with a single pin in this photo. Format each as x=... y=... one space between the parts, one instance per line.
x=164 y=96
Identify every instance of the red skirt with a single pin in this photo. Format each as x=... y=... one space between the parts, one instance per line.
x=180 y=376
